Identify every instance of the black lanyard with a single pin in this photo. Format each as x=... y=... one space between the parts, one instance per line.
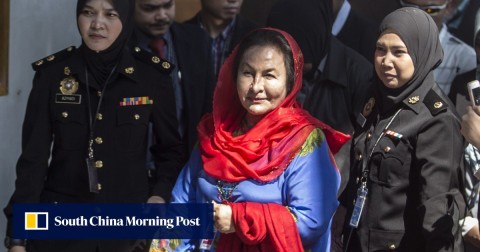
x=93 y=119
x=362 y=190
x=92 y=172
x=365 y=169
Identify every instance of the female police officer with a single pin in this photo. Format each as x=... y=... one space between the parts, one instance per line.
x=95 y=104
x=407 y=175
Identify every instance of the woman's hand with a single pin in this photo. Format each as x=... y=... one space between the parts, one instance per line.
x=222 y=217
x=471 y=125
x=156 y=199
x=17 y=249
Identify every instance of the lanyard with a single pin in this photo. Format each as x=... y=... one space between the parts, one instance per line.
x=92 y=171
x=365 y=169
x=91 y=119
x=362 y=190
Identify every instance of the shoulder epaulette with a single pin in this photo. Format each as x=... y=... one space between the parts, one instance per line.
x=456 y=40
x=53 y=58
x=147 y=57
x=435 y=103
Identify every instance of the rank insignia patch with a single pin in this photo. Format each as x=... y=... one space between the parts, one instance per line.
x=414 y=99
x=134 y=101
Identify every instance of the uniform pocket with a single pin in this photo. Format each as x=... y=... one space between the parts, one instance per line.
x=384 y=240
x=132 y=128
x=70 y=128
x=383 y=167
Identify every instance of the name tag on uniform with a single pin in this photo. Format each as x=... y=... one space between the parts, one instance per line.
x=71 y=99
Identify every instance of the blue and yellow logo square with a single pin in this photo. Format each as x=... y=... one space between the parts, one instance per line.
x=36 y=220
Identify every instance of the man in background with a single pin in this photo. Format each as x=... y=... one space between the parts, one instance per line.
x=186 y=47
x=220 y=20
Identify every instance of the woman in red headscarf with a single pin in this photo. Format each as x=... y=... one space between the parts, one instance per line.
x=258 y=139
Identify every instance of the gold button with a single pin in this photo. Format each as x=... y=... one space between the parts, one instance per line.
x=99 y=140
x=136 y=116
x=155 y=59
x=438 y=105
x=99 y=164
x=99 y=186
x=166 y=65
x=392 y=247
x=99 y=117
x=369 y=135
x=65 y=114
x=387 y=149
x=129 y=70
x=99 y=93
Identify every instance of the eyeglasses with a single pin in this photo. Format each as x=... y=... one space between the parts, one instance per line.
x=432 y=10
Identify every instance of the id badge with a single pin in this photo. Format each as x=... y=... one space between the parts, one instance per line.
x=92 y=175
x=206 y=244
x=359 y=204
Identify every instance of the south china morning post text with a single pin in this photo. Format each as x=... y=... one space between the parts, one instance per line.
x=113 y=221
x=101 y=221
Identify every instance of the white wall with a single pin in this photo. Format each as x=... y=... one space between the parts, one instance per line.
x=37 y=28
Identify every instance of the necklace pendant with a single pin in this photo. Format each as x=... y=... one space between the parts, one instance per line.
x=225 y=190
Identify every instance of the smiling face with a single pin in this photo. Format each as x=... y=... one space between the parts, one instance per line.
x=393 y=64
x=99 y=24
x=261 y=81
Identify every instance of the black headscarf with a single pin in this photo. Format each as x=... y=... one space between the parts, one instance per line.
x=310 y=24
x=100 y=64
x=420 y=34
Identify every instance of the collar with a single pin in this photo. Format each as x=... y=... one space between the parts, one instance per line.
x=335 y=66
x=226 y=31
x=415 y=100
x=75 y=66
x=444 y=34
x=127 y=67
x=341 y=18
x=142 y=40
x=321 y=67
x=167 y=36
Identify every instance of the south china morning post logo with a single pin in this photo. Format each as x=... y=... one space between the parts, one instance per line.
x=36 y=220
x=113 y=221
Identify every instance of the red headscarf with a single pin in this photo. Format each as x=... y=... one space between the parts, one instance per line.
x=265 y=151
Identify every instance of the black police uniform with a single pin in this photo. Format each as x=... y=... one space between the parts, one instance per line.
x=412 y=164
x=140 y=92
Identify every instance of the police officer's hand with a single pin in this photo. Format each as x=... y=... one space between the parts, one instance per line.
x=156 y=199
x=471 y=125
x=222 y=217
x=17 y=249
